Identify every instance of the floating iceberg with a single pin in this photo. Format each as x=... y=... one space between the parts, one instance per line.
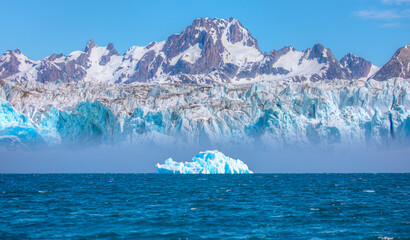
x=208 y=162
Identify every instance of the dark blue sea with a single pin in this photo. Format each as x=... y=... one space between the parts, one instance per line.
x=154 y=206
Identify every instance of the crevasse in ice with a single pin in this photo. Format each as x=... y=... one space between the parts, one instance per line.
x=208 y=162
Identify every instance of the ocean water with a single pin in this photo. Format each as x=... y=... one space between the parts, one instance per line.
x=154 y=206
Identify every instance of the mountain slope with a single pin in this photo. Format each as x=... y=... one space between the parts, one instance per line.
x=357 y=67
x=398 y=66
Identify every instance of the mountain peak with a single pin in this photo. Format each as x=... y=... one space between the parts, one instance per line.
x=207 y=45
x=276 y=54
x=214 y=20
x=357 y=67
x=90 y=45
x=234 y=29
x=398 y=66
x=15 y=51
x=318 y=52
x=403 y=51
x=350 y=55
x=111 y=49
x=10 y=62
x=110 y=46
x=318 y=47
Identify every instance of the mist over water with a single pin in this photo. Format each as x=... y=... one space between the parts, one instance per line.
x=260 y=159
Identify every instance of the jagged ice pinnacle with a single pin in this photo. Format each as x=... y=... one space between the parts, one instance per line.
x=208 y=162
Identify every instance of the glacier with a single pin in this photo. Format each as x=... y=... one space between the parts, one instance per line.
x=207 y=162
x=273 y=114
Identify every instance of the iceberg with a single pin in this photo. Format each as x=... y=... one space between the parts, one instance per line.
x=208 y=162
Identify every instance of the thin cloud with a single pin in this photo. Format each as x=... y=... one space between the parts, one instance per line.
x=391 y=18
x=398 y=2
x=390 y=25
x=375 y=14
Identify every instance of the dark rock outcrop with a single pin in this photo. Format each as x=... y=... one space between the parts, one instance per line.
x=398 y=66
x=10 y=64
x=324 y=55
x=357 y=67
x=111 y=52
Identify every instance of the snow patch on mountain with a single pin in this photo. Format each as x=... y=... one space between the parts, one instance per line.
x=239 y=53
x=294 y=62
x=191 y=55
x=372 y=71
x=74 y=55
x=101 y=73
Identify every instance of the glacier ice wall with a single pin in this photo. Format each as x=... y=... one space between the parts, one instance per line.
x=208 y=162
x=278 y=113
x=16 y=129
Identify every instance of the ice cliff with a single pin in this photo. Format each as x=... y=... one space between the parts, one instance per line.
x=275 y=114
x=208 y=162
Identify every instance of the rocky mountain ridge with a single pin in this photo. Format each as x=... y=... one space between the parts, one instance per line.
x=398 y=66
x=207 y=51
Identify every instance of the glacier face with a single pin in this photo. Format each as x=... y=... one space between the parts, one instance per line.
x=208 y=162
x=275 y=113
x=16 y=129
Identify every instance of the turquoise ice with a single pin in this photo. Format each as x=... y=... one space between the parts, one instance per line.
x=270 y=114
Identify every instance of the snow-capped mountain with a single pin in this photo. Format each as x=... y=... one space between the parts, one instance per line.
x=358 y=67
x=207 y=51
x=285 y=97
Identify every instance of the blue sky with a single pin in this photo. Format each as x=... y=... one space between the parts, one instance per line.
x=373 y=29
